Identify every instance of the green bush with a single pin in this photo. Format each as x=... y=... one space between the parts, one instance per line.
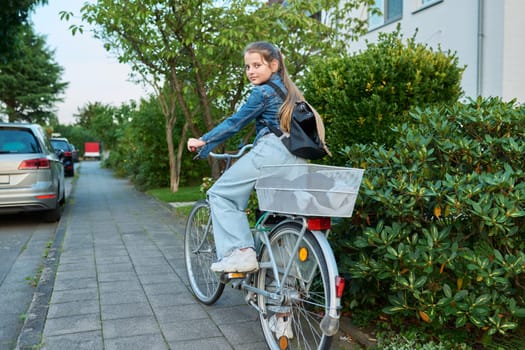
x=141 y=152
x=362 y=96
x=438 y=232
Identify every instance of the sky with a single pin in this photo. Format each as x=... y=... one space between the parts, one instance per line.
x=94 y=75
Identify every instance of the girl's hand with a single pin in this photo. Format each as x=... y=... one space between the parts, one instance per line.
x=194 y=144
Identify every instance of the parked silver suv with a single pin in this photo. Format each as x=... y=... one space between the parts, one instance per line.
x=31 y=175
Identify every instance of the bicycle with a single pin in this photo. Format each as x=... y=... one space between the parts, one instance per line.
x=297 y=290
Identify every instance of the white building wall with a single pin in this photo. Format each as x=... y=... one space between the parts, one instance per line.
x=514 y=50
x=494 y=64
x=492 y=56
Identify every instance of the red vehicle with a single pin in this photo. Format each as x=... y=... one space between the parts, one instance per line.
x=92 y=150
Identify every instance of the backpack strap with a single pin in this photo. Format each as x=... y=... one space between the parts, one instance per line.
x=277 y=89
x=281 y=93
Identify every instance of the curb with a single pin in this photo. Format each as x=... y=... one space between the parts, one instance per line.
x=31 y=333
x=356 y=334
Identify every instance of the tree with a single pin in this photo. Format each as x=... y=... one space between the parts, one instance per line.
x=13 y=18
x=30 y=81
x=103 y=121
x=190 y=51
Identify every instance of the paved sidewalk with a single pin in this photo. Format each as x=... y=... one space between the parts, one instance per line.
x=121 y=284
x=115 y=279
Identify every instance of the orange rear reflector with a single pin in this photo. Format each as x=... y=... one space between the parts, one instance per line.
x=283 y=343
x=302 y=254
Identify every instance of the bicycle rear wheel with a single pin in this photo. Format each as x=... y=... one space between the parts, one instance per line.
x=306 y=290
x=199 y=254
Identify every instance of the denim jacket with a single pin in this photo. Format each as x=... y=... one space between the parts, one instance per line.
x=262 y=106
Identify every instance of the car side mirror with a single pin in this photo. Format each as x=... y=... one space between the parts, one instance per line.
x=59 y=153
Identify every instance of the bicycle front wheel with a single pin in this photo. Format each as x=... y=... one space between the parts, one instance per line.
x=306 y=291
x=199 y=254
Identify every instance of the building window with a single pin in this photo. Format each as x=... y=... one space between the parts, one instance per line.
x=421 y=5
x=391 y=10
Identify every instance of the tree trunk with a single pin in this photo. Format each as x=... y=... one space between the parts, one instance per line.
x=182 y=147
x=174 y=174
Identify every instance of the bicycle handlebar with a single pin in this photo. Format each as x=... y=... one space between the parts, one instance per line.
x=239 y=154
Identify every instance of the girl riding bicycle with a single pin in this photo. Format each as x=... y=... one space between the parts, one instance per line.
x=228 y=197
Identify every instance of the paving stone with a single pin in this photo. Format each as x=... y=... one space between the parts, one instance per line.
x=112 y=268
x=239 y=333
x=171 y=314
x=64 y=296
x=85 y=273
x=139 y=342
x=113 y=260
x=126 y=327
x=235 y=314
x=75 y=283
x=73 y=308
x=190 y=329
x=116 y=276
x=165 y=288
x=200 y=344
x=119 y=286
x=160 y=300
x=72 y=324
x=111 y=312
x=159 y=278
x=114 y=298
x=80 y=260
x=77 y=341
x=146 y=270
x=257 y=346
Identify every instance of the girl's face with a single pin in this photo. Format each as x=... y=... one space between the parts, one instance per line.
x=257 y=69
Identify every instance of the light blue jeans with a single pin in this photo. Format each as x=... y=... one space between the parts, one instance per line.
x=229 y=196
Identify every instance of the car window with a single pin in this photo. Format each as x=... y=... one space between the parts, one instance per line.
x=59 y=144
x=18 y=141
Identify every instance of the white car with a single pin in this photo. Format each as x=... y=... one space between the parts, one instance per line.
x=31 y=174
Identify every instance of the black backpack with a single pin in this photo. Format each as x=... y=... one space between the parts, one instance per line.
x=304 y=140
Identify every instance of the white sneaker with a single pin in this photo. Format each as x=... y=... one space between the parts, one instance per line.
x=238 y=261
x=281 y=326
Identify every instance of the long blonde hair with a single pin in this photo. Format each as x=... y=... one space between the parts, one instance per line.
x=269 y=53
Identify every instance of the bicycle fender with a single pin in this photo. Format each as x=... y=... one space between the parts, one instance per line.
x=330 y=323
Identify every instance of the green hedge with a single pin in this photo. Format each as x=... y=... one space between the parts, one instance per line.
x=438 y=232
x=362 y=96
x=141 y=151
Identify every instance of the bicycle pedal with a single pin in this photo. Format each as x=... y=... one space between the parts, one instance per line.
x=235 y=275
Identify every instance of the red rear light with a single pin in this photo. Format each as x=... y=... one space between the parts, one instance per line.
x=319 y=224
x=67 y=154
x=339 y=286
x=38 y=163
x=46 y=196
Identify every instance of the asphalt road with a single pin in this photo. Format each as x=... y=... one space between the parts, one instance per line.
x=24 y=239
